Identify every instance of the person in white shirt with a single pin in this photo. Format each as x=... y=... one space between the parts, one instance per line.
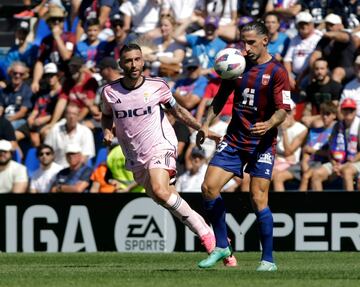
x=13 y=175
x=352 y=89
x=44 y=176
x=69 y=131
x=141 y=17
x=296 y=60
x=192 y=179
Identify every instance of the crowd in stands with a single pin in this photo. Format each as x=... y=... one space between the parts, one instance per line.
x=65 y=50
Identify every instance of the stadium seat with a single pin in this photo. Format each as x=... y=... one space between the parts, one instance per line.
x=31 y=161
x=16 y=156
x=101 y=156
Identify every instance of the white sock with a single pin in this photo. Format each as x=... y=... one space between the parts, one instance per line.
x=181 y=209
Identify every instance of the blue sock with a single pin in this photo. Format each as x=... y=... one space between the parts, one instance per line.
x=215 y=210
x=265 y=223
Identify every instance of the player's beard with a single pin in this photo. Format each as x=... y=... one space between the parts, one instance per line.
x=131 y=74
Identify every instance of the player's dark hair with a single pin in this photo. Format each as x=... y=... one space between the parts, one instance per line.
x=257 y=26
x=129 y=47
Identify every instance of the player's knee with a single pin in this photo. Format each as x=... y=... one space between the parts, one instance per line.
x=208 y=191
x=160 y=194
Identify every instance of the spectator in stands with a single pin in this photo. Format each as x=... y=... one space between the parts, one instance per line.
x=210 y=92
x=13 y=176
x=141 y=17
x=103 y=10
x=278 y=41
x=317 y=143
x=169 y=54
x=352 y=89
x=291 y=137
x=180 y=10
x=121 y=178
x=76 y=177
x=79 y=88
x=192 y=179
x=225 y=10
x=344 y=148
x=314 y=152
x=113 y=47
x=57 y=48
x=338 y=48
x=15 y=99
x=23 y=50
x=91 y=49
x=189 y=90
x=43 y=109
x=204 y=48
x=69 y=131
x=100 y=180
x=44 y=177
x=321 y=89
x=7 y=131
x=296 y=60
x=318 y=9
x=109 y=69
x=253 y=9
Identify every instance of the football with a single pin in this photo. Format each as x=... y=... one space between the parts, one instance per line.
x=229 y=63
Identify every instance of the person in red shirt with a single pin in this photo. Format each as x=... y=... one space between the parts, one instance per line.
x=210 y=92
x=79 y=88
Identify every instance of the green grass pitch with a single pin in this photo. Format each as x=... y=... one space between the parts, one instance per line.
x=308 y=269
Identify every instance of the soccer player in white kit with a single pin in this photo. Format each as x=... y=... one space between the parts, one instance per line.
x=135 y=105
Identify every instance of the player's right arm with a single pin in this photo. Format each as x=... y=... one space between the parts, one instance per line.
x=107 y=121
x=215 y=108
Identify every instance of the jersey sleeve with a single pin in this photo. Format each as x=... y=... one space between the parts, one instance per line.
x=282 y=94
x=105 y=102
x=166 y=97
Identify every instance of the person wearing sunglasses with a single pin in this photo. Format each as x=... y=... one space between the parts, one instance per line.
x=15 y=99
x=44 y=177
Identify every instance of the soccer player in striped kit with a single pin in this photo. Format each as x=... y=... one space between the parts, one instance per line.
x=135 y=104
x=261 y=101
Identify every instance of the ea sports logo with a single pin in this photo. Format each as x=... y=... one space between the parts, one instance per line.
x=144 y=226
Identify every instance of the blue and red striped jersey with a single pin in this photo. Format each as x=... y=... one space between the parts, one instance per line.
x=260 y=91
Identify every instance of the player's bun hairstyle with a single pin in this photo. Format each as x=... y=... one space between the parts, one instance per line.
x=129 y=47
x=258 y=26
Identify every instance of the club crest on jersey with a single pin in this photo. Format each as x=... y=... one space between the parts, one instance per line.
x=147 y=96
x=265 y=79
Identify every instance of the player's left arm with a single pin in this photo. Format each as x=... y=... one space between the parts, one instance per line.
x=276 y=119
x=282 y=101
x=185 y=116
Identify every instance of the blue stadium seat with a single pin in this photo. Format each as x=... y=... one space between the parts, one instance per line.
x=16 y=156
x=31 y=161
x=100 y=156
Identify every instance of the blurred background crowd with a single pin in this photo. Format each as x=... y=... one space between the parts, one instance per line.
x=56 y=54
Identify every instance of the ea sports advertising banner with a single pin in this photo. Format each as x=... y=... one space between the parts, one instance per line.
x=134 y=223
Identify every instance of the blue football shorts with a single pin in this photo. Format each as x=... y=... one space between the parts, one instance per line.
x=258 y=164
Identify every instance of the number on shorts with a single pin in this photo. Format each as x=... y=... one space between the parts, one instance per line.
x=221 y=146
